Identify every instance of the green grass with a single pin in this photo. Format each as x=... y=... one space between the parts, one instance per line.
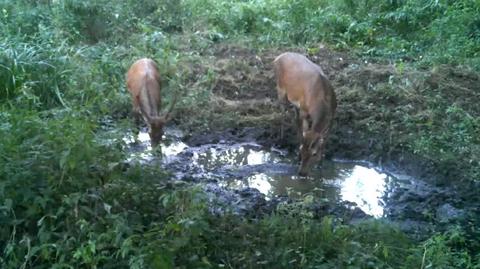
x=68 y=200
x=423 y=31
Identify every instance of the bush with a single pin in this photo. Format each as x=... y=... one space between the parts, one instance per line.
x=89 y=21
x=31 y=74
x=68 y=199
x=22 y=20
x=50 y=163
x=110 y=21
x=431 y=31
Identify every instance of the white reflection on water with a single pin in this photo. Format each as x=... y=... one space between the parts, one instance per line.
x=335 y=181
x=173 y=148
x=237 y=155
x=140 y=156
x=365 y=187
x=258 y=157
x=344 y=182
x=145 y=149
x=142 y=138
x=260 y=182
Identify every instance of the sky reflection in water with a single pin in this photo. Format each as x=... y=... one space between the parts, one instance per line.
x=348 y=182
x=335 y=181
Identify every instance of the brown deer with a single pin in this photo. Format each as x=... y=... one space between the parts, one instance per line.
x=303 y=84
x=143 y=83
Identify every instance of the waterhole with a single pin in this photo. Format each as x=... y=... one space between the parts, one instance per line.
x=337 y=181
x=270 y=171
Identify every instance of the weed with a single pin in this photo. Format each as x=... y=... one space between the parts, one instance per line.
x=69 y=200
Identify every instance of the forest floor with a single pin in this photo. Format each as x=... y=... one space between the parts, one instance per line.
x=381 y=109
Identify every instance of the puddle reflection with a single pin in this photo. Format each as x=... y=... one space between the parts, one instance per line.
x=336 y=182
x=365 y=187
x=142 y=150
x=236 y=155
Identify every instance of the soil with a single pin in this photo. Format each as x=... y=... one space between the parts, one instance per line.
x=368 y=124
x=419 y=207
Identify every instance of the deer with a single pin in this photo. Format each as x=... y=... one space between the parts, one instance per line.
x=303 y=84
x=144 y=84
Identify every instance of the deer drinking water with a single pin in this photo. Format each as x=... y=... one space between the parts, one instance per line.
x=143 y=83
x=303 y=84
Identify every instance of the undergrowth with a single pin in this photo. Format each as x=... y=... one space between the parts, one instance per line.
x=69 y=200
x=422 y=31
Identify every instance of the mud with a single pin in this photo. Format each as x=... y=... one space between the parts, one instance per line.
x=377 y=103
x=251 y=179
x=373 y=100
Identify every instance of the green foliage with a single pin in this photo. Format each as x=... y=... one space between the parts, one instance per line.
x=426 y=31
x=91 y=21
x=459 y=142
x=31 y=73
x=446 y=251
x=94 y=21
x=49 y=161
x=68 y=200
x=21 y=19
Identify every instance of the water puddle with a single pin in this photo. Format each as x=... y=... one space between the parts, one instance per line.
x=337 y=181
x=220 y=155
x=270 y=171
x=141 y=150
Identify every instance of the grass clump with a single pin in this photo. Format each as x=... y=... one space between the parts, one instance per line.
x=69 y=200
x=422 y=31
x=32 y=74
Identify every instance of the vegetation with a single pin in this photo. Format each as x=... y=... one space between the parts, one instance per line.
x=69 y=200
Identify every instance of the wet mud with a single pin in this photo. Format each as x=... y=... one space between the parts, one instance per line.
x=251 y=179
x=240 y=159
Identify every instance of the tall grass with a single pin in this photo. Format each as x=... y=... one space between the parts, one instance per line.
x=423 y=31
x=68 y=200
x=31 y=74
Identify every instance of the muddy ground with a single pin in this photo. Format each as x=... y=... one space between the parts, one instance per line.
x=417 y=206
x=371 y=124
x=373 y=99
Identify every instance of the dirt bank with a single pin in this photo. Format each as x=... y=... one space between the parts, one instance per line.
x=382 y=107
x=395 y=116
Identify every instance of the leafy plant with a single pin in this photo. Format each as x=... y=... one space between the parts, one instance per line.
x=68 y=199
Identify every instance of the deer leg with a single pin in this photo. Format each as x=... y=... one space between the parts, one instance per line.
x=283 y=100
x=299 y=123
x=137 y=121
x=282 y=124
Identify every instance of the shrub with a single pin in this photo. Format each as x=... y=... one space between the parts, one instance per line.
x=31 y=73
